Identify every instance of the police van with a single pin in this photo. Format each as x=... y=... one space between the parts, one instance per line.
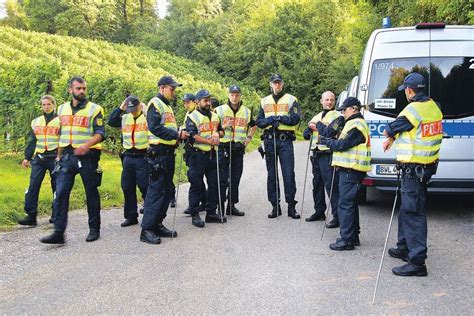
x=444 y=55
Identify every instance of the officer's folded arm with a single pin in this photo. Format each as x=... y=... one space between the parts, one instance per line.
x=354 y=138
x=263 y=122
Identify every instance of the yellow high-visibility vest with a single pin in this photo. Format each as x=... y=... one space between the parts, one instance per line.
x=77 y=129
x=168 y=120
x=205 y=127
x=47 y=135
x=281 y=108
x=134 y=131
x=357 y=157
x=326 y=120
x=422 y=143
x=237 y=130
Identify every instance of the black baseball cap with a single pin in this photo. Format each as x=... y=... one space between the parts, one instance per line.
x=234 y=89
x=276 y=77
x=350 y=101
x=201 y=94
x=168 y=81
x=132 y=103
x=414 y=81
x=189 y=97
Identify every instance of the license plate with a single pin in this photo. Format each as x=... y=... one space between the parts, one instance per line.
x=385 y=169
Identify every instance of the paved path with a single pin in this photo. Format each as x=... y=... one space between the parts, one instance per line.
x=249 y=265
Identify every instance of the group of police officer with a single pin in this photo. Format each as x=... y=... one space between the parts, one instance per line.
x=68 y=142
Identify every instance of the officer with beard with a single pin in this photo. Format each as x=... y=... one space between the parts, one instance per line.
x=205 y=130
x=81 y=134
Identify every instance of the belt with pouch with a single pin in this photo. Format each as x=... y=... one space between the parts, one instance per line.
x=280 y=135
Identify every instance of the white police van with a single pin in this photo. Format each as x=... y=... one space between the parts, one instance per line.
x=444 y=55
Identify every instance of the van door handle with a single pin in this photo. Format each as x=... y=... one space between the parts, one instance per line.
x=447 y=136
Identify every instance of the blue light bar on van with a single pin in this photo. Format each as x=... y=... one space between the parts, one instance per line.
x=430 y=25
x=386 y=22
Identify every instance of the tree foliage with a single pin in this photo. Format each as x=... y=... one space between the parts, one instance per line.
x=316 y=45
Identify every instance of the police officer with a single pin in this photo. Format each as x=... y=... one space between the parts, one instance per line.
x=81 y=133
x=205 y=130
x=278 y=115
x=43 y=144
x=418 y=133
x=327 y=123
x=239 y=128
x=351 y=155
x=163 y=136
x=189 y=102
x=129 y=117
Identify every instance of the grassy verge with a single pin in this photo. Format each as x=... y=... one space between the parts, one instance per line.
x=15 y=181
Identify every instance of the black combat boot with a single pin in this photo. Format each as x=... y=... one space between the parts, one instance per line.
x=398 y=253
x=196 y=220
x=411 y=269
x=316 y=217
x=29 y=220
x=333 y=223
x=129 y=222
x=215 y=218
x=342 y=244
x=149 y=237
x=235 y=211
x=93 y=235
x=57 y=237
x=273 y=213
x=162 y=231
x=292 y=211
x=187 y=211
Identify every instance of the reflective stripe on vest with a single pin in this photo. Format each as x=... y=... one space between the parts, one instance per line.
x=238 y=123
x=326 y=120
x=357 y=157
x=77 y=129
x=134 y=132
x=205 y=127
x=47 y=135
x=422 y=143
x=281 y=108
x=168 y=120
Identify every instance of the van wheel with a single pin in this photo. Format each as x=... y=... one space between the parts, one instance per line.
x=362 y=195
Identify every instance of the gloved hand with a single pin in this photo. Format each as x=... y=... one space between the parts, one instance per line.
x=270 y=120
x=277 y=118
x=322 y=140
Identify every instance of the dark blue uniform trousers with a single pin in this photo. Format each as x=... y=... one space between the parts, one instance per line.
x=412 y=225
x=160 y=190
x=322 y=178
x=187 y=154
x=235 y=171
x=88 y=168
x=134 y=173
x=286 y=157
x=38 y=171
x=348 y=209
x=202 y=164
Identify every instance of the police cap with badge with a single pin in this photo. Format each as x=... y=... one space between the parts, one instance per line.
x=132 y=103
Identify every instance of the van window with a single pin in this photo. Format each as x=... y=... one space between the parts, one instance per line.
x=451 y=86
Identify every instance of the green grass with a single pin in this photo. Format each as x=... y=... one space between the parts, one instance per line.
x=15 y=180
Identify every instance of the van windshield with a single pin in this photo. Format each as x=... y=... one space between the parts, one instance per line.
x=451 y=85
